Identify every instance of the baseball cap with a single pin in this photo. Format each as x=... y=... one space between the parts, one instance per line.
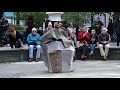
x=12 y=29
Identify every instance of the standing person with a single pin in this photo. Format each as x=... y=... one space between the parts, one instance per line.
x=116 y=27
x=72 y=33
x=33 y=40
x=3 y=28
x=30 y=25
x=15 y=39
x=110 y=28
x=97 y=26
x=63 y=28
x=4 y=24
x=93 y=41
x=84 y=38
x=104 y=42
x=77 y=29
x=49 y=27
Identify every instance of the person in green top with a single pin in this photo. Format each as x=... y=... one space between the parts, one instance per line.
x=97 y=25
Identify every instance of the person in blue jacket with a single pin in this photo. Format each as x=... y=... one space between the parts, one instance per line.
x=33 y=40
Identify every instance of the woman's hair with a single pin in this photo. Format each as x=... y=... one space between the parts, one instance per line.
x=110 y=20
x=92 y=30
x=69 y=24
x=56 y=24
x=105 y=29
x=84 y=27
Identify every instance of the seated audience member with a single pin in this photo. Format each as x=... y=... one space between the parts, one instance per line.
x=104 y=42
x=93 y=41
x=33 y=40
x=84 y=38
x=15 y=39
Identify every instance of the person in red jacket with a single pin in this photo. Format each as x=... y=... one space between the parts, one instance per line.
x=84 y=38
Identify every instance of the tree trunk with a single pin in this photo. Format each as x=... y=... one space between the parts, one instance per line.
x=18 y=22
x=91 y=18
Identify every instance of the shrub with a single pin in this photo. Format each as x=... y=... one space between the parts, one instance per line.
x=18 y=28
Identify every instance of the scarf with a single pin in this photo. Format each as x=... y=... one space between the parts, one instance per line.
x=14 y=34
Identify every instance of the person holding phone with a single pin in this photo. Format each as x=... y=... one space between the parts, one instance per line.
x=93 y=41
x=104 y=42
x=33 y=40
x=84 y=38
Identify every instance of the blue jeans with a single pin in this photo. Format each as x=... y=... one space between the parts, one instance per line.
x=31 y=47
x=92 y=47
x=84 y=48
x=19 y=43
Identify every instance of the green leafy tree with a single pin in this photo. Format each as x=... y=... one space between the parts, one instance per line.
x=38 y=16
x=80 y=17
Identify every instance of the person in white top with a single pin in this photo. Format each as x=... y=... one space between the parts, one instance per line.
x=49 y=27
x=72 y=33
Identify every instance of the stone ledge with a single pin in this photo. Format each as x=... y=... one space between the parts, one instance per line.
x=114 y=54
x=15 y=55
x=18 y=55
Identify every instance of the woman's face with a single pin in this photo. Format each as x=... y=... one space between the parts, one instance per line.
x=104 y=31
x=49 y=26
x=34 y=32
x=71 y=25
x=56 y=25
x=92 y=31
x=84 y=30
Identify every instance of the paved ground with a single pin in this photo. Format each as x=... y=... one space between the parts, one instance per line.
x=82 y=69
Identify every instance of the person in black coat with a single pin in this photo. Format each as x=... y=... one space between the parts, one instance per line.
x=4 y=24
x=110 y=28
x=93 y=41
x=98 y=25
x=15 y=39
x=116 y=27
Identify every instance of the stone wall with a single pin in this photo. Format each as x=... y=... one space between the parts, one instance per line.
x=18 y=55
x=15 y=55
x=114 y=54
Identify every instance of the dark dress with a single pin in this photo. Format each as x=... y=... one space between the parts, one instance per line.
x=97 y=26
x=29 y=28
x=116 y=27
x=4 y=28
x=110 y=28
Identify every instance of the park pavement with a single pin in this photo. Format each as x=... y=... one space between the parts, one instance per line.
x=82 y=69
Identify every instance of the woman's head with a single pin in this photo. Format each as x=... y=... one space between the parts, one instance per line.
x=3 y=17
x=56 y=25
x=84 y=29
x=60 y=24
x=104 y=30
x=49 y=25
x=34 y=31
x=70 y=25
x=12 y=31
x=93 y=31
x=110 y=20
